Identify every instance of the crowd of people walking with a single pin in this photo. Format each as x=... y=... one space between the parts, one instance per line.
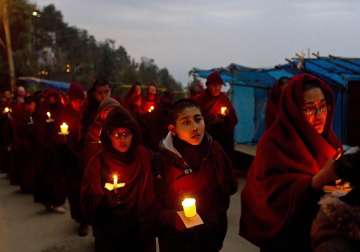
x=126 y=166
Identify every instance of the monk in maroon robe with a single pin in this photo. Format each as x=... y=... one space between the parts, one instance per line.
x=50 y=181
x=92 y=143
x=25 y=145
x=133 y=101
x=292 y=164
x=121 y=217
x=219 y=113
x=191 y=164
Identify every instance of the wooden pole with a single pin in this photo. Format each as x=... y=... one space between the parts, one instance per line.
x=5 y=19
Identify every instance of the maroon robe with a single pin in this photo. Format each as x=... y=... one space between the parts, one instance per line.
x=278 y=202
x=6 y=139
x=210 y=182
x=120 y=218
x=220 y=127
x=50 y=179
x=25 y=158
x=71 y=157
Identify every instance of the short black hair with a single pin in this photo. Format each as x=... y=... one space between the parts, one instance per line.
x=179 y=106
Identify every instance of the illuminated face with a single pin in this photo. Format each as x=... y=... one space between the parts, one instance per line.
x=315 y=109
x=31 y=107
x=76 y=104
x=152 y=92
x=215 y=89
x=189 y=126
x=121 y=139
x=102 y=92
x=137 y=90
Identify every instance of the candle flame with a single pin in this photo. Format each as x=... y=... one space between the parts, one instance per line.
x=151 y=109
x=7 y=110
x=64 y=128
x=188 y=202
x=115 y=178
x=48 y=114
x=224 y=110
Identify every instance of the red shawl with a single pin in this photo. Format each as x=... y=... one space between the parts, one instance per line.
x=289 y=154
x=138 y=191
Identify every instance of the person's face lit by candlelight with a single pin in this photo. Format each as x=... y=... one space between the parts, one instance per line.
x=215 y=89
x=189 y=126
x=315 y=108
x=76 y=104
x=121 y=139
x=151 y=92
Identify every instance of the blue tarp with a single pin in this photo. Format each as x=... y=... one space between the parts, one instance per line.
x=250 y=88
x=249 y=94
x=47 y=83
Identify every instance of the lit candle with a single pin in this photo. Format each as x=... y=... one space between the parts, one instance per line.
x=115 y=179
x=48 y=115
x=6 y=110
x=151 y=109
x=64 y=129
x=223 y=110
x=189 y=207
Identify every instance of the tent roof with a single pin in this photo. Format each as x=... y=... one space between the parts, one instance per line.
x=240 y=75
x=334 y=69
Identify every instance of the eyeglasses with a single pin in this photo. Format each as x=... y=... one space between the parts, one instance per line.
x=311 y=111
x=119 y=135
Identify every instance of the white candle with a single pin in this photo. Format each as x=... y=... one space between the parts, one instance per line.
x=189 y=206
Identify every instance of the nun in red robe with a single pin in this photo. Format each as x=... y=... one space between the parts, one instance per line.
x=292 y=164
x=50 y=179
x=92 y=143
x=71 y=150
x=121 y=218
x=220 y=124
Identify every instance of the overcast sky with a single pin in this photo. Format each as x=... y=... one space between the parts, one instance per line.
x=182 y=34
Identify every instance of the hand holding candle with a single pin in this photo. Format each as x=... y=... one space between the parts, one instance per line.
x=115 y=185
x=189 y=206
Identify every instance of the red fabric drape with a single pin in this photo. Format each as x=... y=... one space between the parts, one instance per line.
x=289 y=154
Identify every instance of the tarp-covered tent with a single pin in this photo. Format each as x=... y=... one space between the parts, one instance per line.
x=250 y=88
x=249 y=94
x=64 y=86
x=343 y=74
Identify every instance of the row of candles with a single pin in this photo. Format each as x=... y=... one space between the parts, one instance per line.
x=188 y=204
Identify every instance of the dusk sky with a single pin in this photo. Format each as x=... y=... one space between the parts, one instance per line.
x=184 y=34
